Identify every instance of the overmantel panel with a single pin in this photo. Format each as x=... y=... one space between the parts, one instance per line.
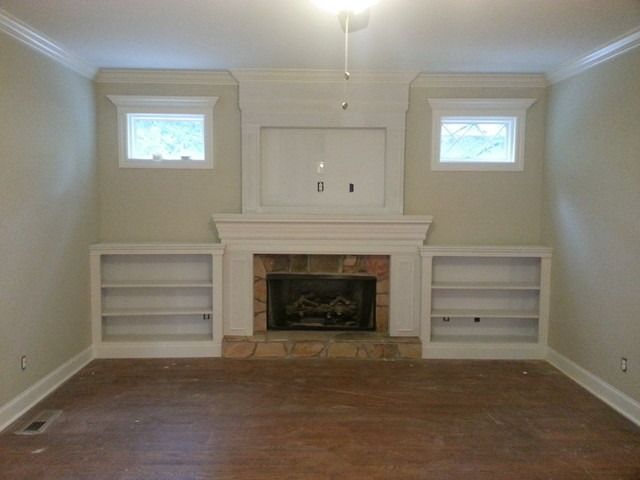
x=305 y=100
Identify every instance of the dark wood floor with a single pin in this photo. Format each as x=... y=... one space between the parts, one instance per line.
x=326 y=419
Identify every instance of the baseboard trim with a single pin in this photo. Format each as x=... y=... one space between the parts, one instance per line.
x=431 y=351
x=619 y=401
x=158 y=349
x=13 y=409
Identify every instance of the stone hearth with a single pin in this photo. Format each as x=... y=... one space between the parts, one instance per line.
x=359 y=346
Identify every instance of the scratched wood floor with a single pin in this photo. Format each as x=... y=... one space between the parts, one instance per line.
x=254 y=420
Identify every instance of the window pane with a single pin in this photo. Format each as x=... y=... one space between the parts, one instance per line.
x=166 y=137
x=470 y=140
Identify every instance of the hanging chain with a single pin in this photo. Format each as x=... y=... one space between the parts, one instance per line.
x=347 y=75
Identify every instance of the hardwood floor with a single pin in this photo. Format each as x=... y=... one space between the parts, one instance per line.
x=323 y=419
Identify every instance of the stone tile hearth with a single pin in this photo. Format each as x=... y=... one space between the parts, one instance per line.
x=291 y=344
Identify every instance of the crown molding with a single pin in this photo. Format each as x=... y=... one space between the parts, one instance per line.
x=154 y=101
x=320 y=76
x=469 y=80
x=481 y=103
x=152 y=76
x=40 y=43
x=616 y=47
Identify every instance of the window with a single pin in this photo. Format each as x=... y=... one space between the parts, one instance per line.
x=165 y=132
x=478 y=134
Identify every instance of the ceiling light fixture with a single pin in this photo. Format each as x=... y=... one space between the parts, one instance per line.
x=339 y=6
x=349 y=12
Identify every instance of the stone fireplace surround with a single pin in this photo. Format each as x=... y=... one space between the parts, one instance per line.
x=373 y=265
x=396 y=236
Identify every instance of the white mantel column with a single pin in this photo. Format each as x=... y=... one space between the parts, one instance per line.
x=404 y=297
x=238 y=292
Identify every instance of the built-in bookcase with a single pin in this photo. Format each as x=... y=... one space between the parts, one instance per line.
x=153 y=300
x=485 y=302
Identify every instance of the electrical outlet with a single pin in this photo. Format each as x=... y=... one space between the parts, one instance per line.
x=23 y=362
x=623 y=364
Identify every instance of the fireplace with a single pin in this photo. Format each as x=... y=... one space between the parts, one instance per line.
x=320 y=302
x=384 y=246
x=373 y=270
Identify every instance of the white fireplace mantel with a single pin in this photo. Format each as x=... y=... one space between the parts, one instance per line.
x=271 y=233
x=399 y=236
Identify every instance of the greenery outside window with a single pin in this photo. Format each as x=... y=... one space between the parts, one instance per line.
x=478 y=134
x=165 y=132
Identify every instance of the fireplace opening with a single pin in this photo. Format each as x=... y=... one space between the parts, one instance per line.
x=320 y=302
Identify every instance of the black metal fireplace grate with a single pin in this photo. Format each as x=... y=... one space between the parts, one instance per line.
x=320 y=302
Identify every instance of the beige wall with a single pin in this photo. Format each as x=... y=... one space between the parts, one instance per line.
x=176 y=205
x=495 y=208
x=167 y=205
x=593 y=219
x=48 y=214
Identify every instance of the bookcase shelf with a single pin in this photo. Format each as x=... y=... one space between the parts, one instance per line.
x=151 y=300
x=145 y=312
x=147 y=284
x=485 y=286
x=485 y=302
x=482 y=313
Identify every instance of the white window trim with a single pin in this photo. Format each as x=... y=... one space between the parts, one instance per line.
x=126 y=104
x=479 y=107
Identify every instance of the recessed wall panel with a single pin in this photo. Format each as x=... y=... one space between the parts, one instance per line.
x=321 y=167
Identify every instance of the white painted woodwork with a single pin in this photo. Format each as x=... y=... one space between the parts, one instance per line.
x=400 y=237
x=29 y=398
x=404 y=304
x=514 y=109
x=418 y=35
x=238 y=292
x=36 y=40
x=619 y=401
x=292 y=120
x=507 y=288
x=151 y=300
x=479 y=80
x=295 y=162
x=603 y=53
x=145 y=104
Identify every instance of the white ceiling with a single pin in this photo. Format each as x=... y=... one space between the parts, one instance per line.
x=437 y=36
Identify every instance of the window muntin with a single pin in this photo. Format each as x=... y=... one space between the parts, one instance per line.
x=164 y=132
x=477 y=139
x=478 y=134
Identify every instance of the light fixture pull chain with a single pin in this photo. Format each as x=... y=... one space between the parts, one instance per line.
x=347 y=75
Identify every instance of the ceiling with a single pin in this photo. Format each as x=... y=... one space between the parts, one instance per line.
x=436 y=36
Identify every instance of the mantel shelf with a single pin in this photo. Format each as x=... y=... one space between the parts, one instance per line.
x=319 y=231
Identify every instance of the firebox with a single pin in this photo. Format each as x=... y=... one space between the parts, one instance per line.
x=320 y=302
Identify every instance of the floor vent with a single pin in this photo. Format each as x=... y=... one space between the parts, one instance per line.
x=39 y=423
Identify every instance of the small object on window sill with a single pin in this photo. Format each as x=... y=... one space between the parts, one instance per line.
x=157 y=158
x=185 y=157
